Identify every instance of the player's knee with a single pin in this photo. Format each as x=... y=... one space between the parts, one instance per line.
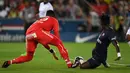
x=85 y=65
x=29 y=58
x=82 y=66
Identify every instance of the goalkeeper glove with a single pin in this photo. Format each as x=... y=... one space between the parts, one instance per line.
x=53 y=53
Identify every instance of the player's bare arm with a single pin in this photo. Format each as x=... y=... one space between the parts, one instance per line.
x=116 y=44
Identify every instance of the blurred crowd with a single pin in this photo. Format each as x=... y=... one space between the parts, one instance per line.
x=89 y=10
x=19 y=8
x=118 y=10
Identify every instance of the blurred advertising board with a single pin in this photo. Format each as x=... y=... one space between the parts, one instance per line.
x=12 y=30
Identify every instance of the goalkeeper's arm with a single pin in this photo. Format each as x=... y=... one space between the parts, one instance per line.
x=51 y=51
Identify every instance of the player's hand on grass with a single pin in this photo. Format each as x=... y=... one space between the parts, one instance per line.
x=118 y=58
x=53 y=53
x=106 y=65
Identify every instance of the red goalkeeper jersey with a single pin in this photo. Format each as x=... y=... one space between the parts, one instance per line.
x=46 y=24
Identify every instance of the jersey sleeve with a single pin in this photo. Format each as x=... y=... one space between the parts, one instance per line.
x=128 y=32
x=56 y=28
x=111 y=35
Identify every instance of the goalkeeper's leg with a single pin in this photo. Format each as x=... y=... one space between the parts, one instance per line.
x=31 y=45
x=63 y=52
x=19 y=60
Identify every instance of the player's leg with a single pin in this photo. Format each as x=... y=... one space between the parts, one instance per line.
x=89 y=64
x=78 y=60
x=47 y=38
x=30 y=48
x=85 y=65
x=63 y=51
x=105 y=64
x=47 y=46
x=43 y=38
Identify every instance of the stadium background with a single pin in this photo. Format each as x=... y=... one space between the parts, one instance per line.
x=76 y=17
x=79 y=22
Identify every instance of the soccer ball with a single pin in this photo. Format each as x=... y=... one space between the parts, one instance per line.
x=79 y=58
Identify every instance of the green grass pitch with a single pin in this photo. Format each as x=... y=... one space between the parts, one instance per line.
x=43 y=61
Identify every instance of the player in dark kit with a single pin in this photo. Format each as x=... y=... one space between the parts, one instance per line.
x=99 y=53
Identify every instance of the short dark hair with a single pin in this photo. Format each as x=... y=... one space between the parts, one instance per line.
x=105 y=19
x=45 y=0
x=51 y=13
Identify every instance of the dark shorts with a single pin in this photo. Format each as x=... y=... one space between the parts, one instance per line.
x=93 y=63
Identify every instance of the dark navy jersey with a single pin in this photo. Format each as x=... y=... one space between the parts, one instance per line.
x=103 y=41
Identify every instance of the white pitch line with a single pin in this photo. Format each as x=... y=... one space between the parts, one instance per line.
x=119 y=64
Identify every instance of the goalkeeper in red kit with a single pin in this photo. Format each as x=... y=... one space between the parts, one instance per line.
x=39 y=32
